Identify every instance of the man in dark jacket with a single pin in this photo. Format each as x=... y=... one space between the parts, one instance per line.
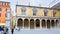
x=12 y=30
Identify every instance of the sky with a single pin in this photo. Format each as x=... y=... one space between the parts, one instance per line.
x=44 y=3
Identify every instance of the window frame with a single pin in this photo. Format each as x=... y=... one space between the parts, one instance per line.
x=0 y=9
x=0 y=14
x=23 y=11
x=34 y=10
x=6 y=15
x=45 y=12
x=54 y=13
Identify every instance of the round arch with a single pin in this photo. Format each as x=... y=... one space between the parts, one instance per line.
x=37 y=23
x=19 y=22
x=43 y=23
x=52 y=23
x=26 y=22
x=31 y=23
x=48 y=23
x=56 y=22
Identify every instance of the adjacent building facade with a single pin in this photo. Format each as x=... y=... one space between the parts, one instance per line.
x=4 y=11
x=33 y=17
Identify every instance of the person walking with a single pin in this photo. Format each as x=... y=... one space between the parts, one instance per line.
x=4 y=29
x=7 y=30
x=12 y=25
x=12 y=30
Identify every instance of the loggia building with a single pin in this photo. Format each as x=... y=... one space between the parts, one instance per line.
x=33 y=17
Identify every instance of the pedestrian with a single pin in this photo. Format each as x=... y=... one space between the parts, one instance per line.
x=12 y=30
x=12 y=26
x=4 y=29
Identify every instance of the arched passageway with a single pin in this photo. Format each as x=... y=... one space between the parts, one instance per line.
x=31 y=23
x=19 y=22
x=52 y=23
x=56 y=22
x=37 y=23
x=43 y=23
x=48 y=23
x=26 y=22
